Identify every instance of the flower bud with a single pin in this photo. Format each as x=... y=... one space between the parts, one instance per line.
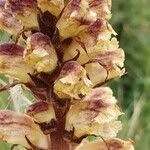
x=106 y=66
x=79 y=14
x=12 y=64
x=15 y=128
x=100 y=144
x=54 y=6
x=95 y=114
x=7 y=22
x=40 y=109
x=24 y=11
x=72 y=82
x=40 y=53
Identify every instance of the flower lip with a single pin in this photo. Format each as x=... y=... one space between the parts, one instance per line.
x=71 y=66
x=11 y=49
x=39 y=39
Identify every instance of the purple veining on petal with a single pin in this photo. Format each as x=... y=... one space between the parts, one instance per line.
x=18 y=5
x=40 y=40
x=11 y=49
x=95 y=27
x=95 y=3
x=37 y=107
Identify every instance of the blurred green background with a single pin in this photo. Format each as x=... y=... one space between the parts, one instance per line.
x=131 y=20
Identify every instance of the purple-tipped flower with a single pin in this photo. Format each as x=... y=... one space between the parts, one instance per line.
x=12 y=64
x=7 y=21
x=95 y=114
x=40 y=53
x=24 y=11
x=72 y=82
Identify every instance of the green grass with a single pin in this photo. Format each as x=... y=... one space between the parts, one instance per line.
x=130 y=20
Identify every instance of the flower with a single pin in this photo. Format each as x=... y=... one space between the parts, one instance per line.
x=93 y=41
x=106 y=66
x=24 y=11
x=54 y=6
x=7 y=21
x=40 y=53
x=72 y=82
x=17 y=128
x=79 y=14
x=40 y=109
x=12 y=64
x=95 y=114
x=105 y=144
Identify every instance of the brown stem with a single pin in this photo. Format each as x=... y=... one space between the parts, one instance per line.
x=57 y=140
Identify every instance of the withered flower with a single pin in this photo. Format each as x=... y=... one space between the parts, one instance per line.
x=40 y=53
x=95 y=114
x=72 y=82
x=70 y=53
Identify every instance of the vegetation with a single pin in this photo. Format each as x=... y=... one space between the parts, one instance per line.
x=130 y=19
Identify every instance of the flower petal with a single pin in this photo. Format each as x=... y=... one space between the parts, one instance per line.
x=14 y=127
x=95 y=114
x=54 y=6
x=42 y=112
x=106 y=66
x=99 y=144
x=40 y=53
x=11 y=62
x=72 y=81
x=79 y=14
x=91 y=42
x=24 y=11
x=7 y=22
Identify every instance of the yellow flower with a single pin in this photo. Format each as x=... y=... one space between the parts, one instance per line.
x=54 y=6
x=106 y=66
x=12 y=64
x=95 y=114
x=40 y=53
x=7 y=21
x=78 y=15
x=40 y=109
x=24 y=11
x=17 y=128
x=72 y=82
x=93 y=41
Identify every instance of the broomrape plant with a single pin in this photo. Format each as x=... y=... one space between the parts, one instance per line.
x=69 y=52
